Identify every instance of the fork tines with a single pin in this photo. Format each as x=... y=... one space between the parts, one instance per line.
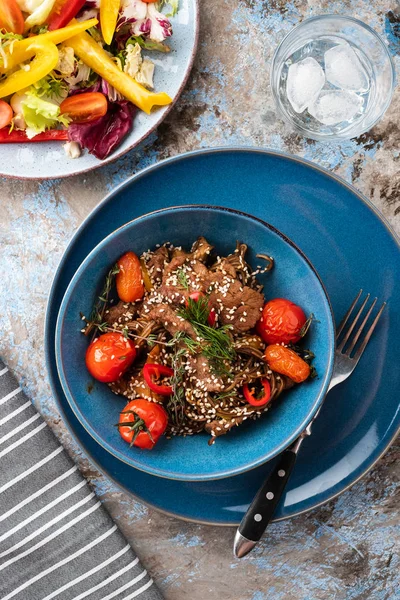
x=345 y=340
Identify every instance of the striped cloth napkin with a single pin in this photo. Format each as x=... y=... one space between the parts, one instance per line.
x=56 y=540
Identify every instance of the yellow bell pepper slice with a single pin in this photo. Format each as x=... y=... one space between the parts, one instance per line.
x=97 y=59
x=45 y=59
x=109 y=10
x=17 y=53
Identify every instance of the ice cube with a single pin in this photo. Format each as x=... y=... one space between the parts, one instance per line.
x=344 y=70
x=304 y=82
x=331 y=107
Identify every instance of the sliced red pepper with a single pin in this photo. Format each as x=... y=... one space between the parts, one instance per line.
x=20 y=137
x=61 y=16
x=212 y=317
x=250 y=394
x=152 y=373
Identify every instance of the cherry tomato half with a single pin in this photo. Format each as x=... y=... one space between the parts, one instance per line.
x=129 y=280
x=109 y=356
x=11 y=18
x=286 y=362
x=212 y=317
x=281 y=322
x=142 y=423
x=84 y=108
x=6 y=114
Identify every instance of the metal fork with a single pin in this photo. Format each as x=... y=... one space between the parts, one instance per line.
x=347 y=355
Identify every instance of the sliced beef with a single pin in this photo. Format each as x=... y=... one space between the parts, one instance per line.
x=195 y=274
x=237 y=305
x=167 y=317
x=157 y=263
x=199 y=371
x=123 y=312
x=225 y=267
x=201 y=249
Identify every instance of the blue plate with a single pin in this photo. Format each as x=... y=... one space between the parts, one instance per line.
x=351 y=247
x=191 y=458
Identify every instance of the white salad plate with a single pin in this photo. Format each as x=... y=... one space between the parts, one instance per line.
x=48 y=160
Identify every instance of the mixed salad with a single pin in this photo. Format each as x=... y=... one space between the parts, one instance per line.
x=75 y=70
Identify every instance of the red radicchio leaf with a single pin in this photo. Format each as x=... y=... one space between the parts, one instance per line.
x=102 y=136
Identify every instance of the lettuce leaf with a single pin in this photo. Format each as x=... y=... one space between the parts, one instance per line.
x=40 y=114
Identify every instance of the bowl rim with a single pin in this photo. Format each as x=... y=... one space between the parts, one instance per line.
x=263 y=458
x=334 y=137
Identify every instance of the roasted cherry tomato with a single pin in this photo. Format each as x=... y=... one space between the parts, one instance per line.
x=251 y=396
x=11 y=18
x=142 y=423
x=129 y=280
x=6 y=114
x=153 y=373
x=109 y=356
x=286 y=362
x=281 y=322
x=212 y=317
x=84 y=108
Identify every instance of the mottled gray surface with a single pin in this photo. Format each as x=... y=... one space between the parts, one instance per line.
x=345 y=550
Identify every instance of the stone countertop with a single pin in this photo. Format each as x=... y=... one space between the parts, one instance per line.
x=347 y=548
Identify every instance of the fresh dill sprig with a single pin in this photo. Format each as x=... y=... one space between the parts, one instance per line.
x=176 y=402
x=96 y=320
x=196 y=311
x=216 y=343
x=183 y=279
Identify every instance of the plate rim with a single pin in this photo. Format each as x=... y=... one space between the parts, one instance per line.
x=187 y=155
x=164 y=112
x=318 y=401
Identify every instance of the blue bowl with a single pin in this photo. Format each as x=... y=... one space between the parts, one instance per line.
x=249 y=445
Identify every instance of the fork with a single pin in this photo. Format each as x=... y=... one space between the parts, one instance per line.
x=347 y=356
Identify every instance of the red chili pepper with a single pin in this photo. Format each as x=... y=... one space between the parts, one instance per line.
x=250 y=397
x=19 y=137
x=152 y=373
x=212 y=317
x=61 y=16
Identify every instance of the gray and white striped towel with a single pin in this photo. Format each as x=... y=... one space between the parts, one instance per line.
x=56 y=540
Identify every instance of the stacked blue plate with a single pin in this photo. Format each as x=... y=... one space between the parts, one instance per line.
x=350 y=245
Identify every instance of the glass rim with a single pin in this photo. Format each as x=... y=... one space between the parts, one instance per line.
x=334 y=136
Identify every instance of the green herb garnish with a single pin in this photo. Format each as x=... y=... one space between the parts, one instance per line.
x=96 y=320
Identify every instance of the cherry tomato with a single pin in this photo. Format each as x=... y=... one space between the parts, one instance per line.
x=6 y=114
x=129 y=280
x=212 y=317
x=145 y=423
x=286 y=362
x=152 y=373
x=84 y=108
x=150 y=1
x=281 y=322
x=109 y=356
x=254 y=399
x=11 y=18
